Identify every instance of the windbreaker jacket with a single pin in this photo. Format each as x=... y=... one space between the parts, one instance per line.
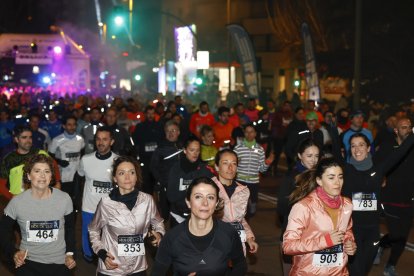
x=112 y=219
x=235 y=207
x=305 y=234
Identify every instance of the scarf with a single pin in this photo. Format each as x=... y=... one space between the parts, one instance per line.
x=69 y=136
x=300 y=168
x=249 y=144
x=363 y=165
x=128 y=199
x=188 y=166
x=333 y=203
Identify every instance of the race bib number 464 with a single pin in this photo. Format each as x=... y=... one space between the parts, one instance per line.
x=42 y=231
x=131 y=245
x=329 y=257
x=364 y=202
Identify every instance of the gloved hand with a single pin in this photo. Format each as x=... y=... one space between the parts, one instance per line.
x=62 y=163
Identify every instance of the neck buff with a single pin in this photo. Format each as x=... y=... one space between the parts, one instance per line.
x=249 y=144
x=333 y=203
x=69 y=136
x=363 y=165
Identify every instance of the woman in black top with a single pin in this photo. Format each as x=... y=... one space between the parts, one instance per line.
x=362 y=184
x=180 y=176
x=201 y=245
x=308 y=155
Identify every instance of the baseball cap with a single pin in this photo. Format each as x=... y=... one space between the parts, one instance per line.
x=311 y=116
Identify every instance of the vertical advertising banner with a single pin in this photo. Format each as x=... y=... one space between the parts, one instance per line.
x=186 y=65
x=310 y=65
x=247 y=58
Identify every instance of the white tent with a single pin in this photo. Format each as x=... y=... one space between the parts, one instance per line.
x=65 y=58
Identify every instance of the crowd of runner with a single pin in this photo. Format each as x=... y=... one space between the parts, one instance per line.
x=126 y=168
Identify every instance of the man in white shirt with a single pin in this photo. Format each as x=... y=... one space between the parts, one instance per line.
x=67 y=149
x=96 y=168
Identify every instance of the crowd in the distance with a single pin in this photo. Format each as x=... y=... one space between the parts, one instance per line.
x=128 y=170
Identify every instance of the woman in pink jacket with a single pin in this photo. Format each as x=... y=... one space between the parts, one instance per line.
x=319 y=231
x=235 y=197
x=122 y=221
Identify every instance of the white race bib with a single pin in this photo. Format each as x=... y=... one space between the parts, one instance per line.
x=240 y=230
x=131 y=245
x=150 y=147
x=329 y=257
x=42 y=231
x=364 y=202
x=184 y=183
x=100 y=187
x=73 y=156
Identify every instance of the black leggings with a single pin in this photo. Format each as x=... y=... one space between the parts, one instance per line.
x=367 y=240
x=399 y=221
x=31 y=268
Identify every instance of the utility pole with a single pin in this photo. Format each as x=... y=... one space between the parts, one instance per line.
x=357 y=61
x=229 y=43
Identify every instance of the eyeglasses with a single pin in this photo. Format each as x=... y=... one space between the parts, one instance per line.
x=172 y=131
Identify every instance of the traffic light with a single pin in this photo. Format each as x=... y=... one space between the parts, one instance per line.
x=119 y=20
x=137 y=77
x=199 y=81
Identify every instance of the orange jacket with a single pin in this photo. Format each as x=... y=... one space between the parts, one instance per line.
x=307 y=227
x=197 y=120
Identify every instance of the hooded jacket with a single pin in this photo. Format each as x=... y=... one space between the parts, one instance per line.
x=306 y=231
x=235 y=207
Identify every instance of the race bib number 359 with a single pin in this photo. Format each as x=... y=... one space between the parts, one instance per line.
x=131 y=245
x=240 y=230
x=42 y=231
x=330 y=257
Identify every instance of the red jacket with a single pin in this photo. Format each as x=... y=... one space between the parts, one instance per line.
x=197 y=120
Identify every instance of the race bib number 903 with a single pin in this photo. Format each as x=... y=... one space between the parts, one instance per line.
x=330 y=257
x=42 y=231
x=131 y=245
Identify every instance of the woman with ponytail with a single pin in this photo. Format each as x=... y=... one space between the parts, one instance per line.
x=308 y=155
x=319 y=231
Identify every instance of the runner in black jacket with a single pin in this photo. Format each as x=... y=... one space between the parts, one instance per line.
x=181 y=174
x=362 y=184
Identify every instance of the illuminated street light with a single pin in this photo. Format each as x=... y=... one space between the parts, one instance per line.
x=119 y=20
x=137 y=77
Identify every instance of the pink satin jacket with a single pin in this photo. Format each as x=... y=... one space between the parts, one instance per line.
x=112 y=220
x=307 y=226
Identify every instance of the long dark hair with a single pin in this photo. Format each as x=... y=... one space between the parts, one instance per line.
x=306 y=181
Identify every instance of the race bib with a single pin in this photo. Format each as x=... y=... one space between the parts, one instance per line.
x=184 y=183
x=364 y=202
x=100 y=187
x=131 y=245
x=150 y=147
x=330 y=257
x=72 y=156
x=240 y=230
x=42 y=231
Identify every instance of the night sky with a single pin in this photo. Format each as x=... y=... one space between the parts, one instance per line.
x=388 y=37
